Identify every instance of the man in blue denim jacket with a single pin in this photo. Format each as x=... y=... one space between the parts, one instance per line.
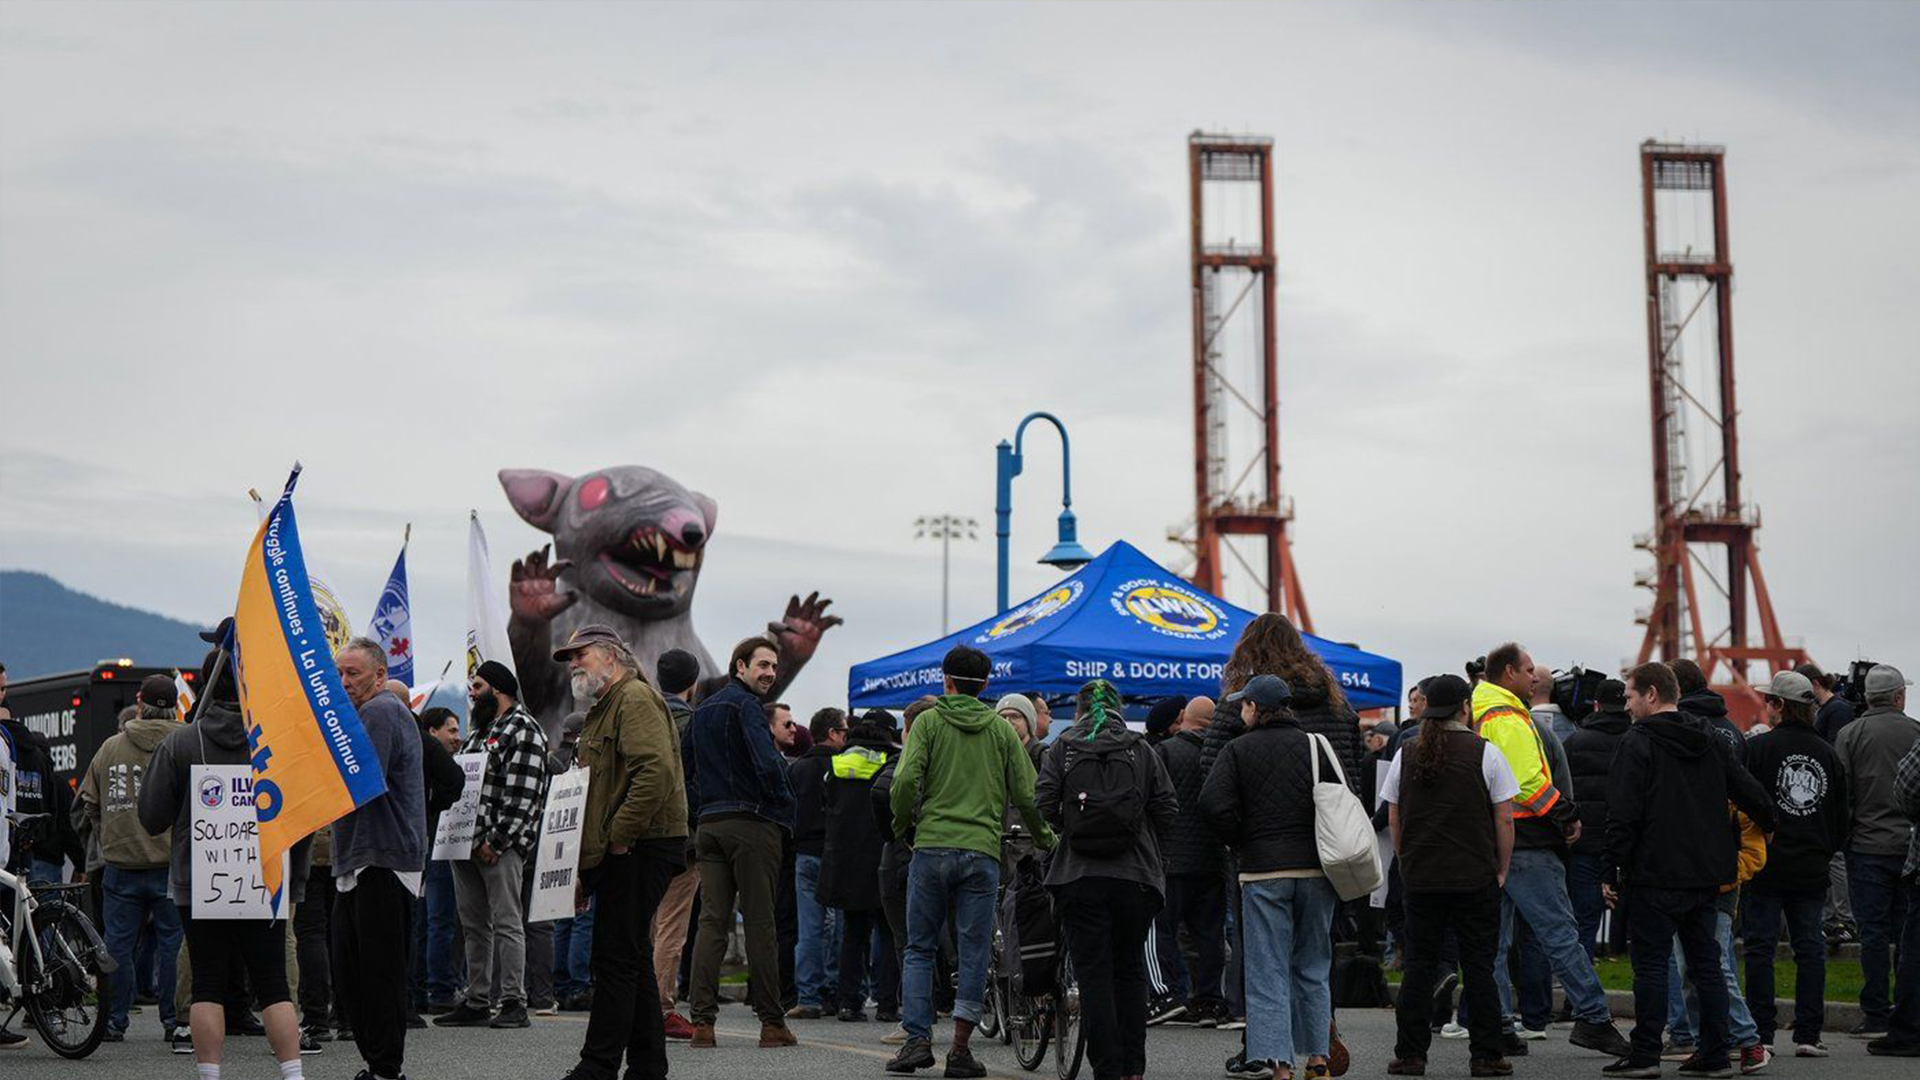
x=737 y=785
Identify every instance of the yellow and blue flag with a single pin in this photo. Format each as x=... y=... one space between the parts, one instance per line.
x=312 y=761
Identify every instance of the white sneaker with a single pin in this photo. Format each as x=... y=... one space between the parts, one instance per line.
x=1526 y=1032
x=1453 y=1030
x=1816 y=1049
x=895 y=1037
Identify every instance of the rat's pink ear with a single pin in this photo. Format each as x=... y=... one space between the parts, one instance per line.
x=536 y=495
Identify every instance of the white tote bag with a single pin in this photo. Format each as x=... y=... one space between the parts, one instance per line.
x=1341 y=828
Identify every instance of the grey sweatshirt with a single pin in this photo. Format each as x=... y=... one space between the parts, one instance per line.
x=391 y=830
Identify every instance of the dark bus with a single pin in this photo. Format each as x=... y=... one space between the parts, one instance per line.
x=79 y=710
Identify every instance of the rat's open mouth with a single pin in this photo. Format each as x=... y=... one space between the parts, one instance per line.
x=647 y=563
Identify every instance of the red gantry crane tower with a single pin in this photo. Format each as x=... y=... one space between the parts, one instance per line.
x=1697 y=501
x=1236 y=394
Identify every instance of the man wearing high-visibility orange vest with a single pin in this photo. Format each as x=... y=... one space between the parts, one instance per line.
x=1544 y=821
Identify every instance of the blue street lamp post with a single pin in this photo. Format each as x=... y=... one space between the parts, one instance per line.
x=1067 y=553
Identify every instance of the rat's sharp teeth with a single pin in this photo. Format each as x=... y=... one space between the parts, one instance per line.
x=659 y=546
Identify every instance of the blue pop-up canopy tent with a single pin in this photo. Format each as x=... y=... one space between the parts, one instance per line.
x=1123 y=618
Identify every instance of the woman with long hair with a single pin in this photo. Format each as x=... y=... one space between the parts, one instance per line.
x=1271 y=645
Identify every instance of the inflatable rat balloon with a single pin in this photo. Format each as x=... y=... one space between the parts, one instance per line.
x=628 y=544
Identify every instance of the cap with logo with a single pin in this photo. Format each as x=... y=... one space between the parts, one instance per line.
x=1445 y=695
x=1789 y=686
x=160 y=692
x=1885 y=679
x=1263 y=690
x=590 y=634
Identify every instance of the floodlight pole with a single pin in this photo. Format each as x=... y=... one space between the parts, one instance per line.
x=1067 y=553
x=946 y=528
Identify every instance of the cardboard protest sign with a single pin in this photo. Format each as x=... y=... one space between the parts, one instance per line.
x=227 y=878
x=454 y=838
x=556 y=866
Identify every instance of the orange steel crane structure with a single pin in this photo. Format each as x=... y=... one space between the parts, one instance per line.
x=1696 y=445
x=1236 y=395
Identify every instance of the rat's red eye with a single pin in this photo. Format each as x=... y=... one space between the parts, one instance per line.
x=593 y=493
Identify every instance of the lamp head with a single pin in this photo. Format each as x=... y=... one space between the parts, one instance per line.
x=1067 y=554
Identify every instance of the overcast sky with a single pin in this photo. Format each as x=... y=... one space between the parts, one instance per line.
x=816 y=260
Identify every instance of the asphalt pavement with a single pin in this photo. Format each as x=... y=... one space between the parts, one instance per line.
x=830 y=1049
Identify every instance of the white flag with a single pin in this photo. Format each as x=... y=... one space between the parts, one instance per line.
x=486 y=614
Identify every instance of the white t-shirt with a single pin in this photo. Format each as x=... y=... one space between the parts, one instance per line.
x=1494 y=769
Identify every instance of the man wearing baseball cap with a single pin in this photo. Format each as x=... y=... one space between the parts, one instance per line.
x=135 y=878
x=1802 y=775
x=1870 y=750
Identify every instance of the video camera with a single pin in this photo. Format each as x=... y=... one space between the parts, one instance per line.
x=1854 y=686
x=1577 y=692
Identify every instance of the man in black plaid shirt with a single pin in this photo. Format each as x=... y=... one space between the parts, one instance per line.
x=487 y=885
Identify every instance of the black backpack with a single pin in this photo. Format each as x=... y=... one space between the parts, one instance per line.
x=1102 y=806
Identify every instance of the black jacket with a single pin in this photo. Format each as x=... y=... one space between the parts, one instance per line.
x=1803 y=776
x=1188 y=845
x=1834 y=715
x=1590 y=753
x=1340 y=724
x=445 y=779
x=807 y=775
x=1259 y=798
x=1667 y=824
x=851 y=837
x=1708 y=705
x=38 y=791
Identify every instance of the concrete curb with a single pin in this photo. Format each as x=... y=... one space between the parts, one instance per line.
x=1842 y=1016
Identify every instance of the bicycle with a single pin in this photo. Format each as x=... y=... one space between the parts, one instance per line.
x=1051 y=1017
x=53 y=963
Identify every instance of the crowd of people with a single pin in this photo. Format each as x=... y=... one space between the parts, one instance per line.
x=863 y=861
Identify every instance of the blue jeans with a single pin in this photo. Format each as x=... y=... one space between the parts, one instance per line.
x=943 y=882
x=1535 y=987
x=1289 y=935
x=816 y=955
x=1589 y=906
x=573 y=952
x=1879 y=910
x=1760 y=914
x=1537 y=890
x=1741 y=1029
x=129 y=897
x=441 y=966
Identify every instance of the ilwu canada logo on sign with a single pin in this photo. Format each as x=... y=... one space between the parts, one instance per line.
x=211 y=791
x=1039 y=609
x=1168 y=609
x=1802 y=783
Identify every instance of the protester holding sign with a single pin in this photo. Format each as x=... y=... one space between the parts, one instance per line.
x=379 y=850
x=632 y=842
x=217 y=949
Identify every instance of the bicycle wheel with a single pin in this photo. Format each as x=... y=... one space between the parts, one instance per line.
x=69 y=1004
x=1069 y=1034
x=1030 y=1025
x=989 y=1025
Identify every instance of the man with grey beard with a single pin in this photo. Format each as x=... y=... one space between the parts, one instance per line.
x=633 y=836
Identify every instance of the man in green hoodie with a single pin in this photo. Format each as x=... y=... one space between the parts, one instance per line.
x=136 y=874
x=961 y=768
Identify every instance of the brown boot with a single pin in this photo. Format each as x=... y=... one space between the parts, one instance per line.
x=702 y=1036
x=776 y=1035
